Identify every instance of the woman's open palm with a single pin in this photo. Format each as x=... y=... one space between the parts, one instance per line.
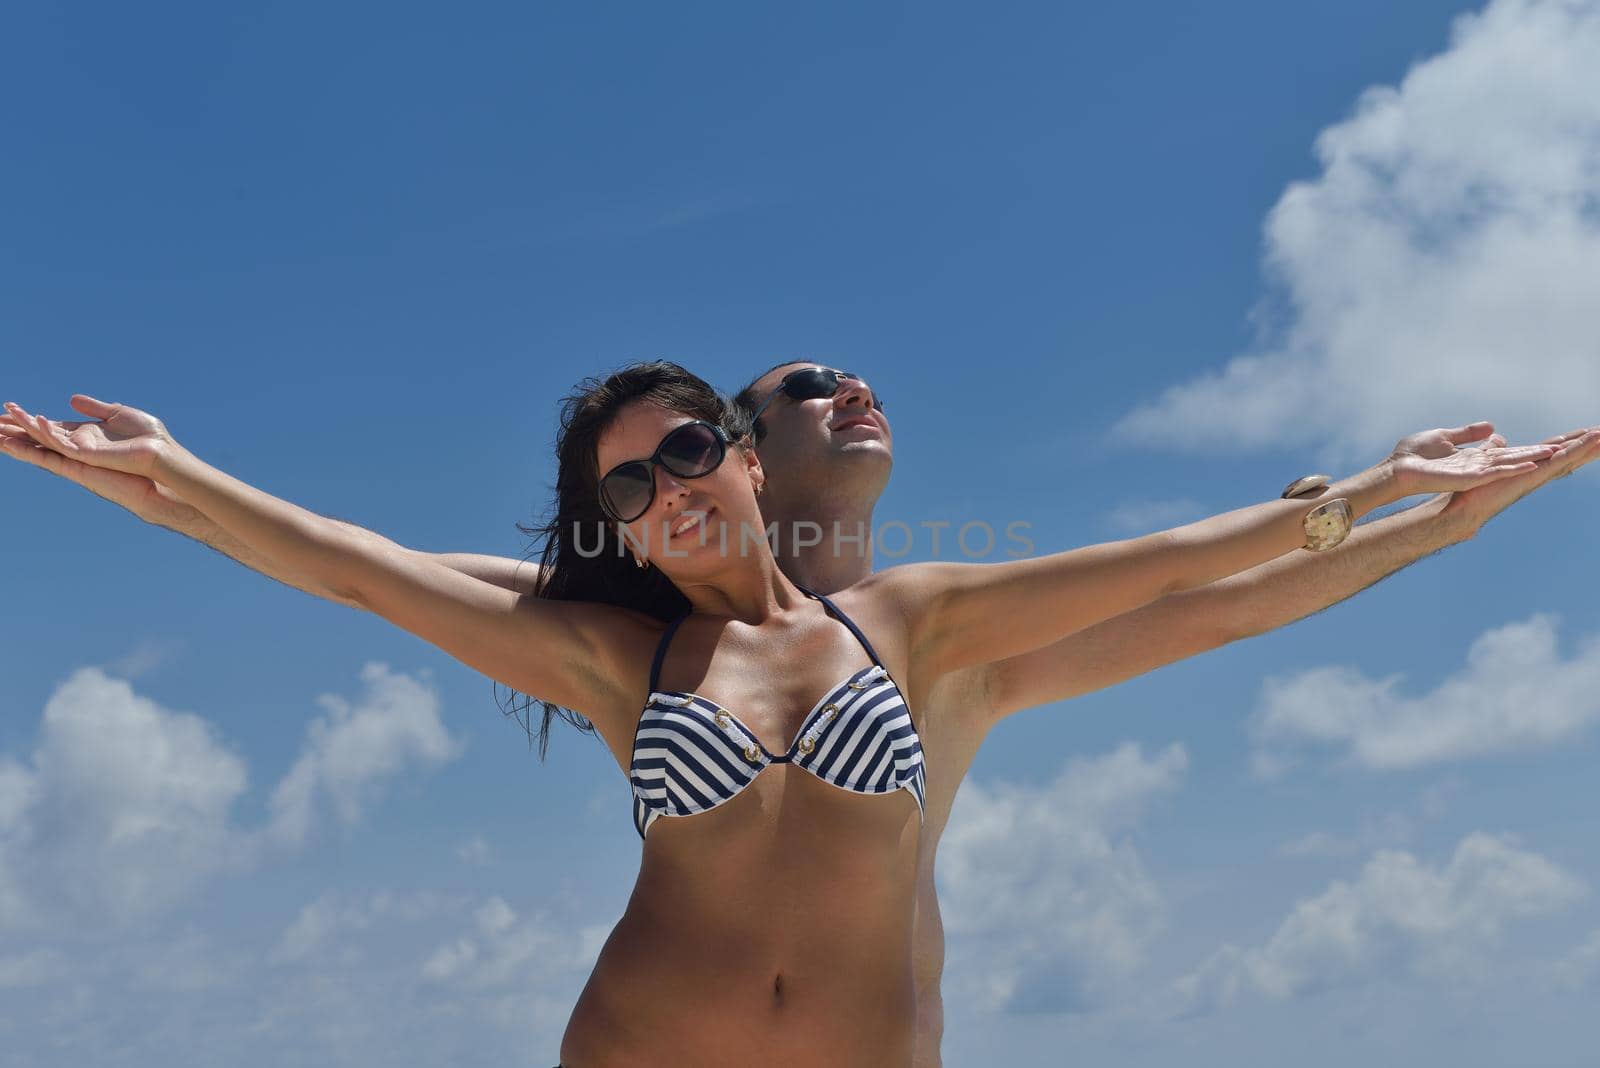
x=119 y=438
x=1431 y=462
x=1481 y=503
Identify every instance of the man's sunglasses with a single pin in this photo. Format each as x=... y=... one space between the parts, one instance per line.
x=692 y=450
x=811 y=383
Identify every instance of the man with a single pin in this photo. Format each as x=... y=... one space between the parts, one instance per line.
x=826 y=448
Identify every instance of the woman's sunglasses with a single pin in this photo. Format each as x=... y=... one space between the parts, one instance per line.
x=692 y=450
x=811 y=383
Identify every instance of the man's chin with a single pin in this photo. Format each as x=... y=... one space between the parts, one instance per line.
x=852 y=461
x=872 y=451
x=855 y=442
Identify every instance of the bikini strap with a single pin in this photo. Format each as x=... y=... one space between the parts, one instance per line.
x=661 y=650
x=833 y=609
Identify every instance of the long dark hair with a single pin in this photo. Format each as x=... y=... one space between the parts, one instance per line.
x=609 y=576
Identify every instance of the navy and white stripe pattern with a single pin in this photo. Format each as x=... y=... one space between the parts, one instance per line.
x=690 y=754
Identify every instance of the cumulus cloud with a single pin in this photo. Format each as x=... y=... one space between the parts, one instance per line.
x=1450 y=242
x=516 y=975
x=320 y=928
x=352 y=753
x=1400 y=916
x=1044 y=905
x=346 y=985
x=503 y=948
x=125 y=808
x=1515 y=692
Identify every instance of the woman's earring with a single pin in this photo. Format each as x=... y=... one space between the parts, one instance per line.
x=639 y=563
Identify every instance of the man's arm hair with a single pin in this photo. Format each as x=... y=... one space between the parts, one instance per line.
x=1182 y=624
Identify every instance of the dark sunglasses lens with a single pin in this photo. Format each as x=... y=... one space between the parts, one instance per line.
x=810 y=384
x=626 y=491
x=691 y=451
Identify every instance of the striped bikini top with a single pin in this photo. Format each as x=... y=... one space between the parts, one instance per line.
x=690 y=754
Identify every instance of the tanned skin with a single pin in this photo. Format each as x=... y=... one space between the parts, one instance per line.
x=825 y=475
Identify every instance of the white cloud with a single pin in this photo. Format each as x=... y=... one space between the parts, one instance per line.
x=503 y=950
x=310 y=929
x=346 y=987
x=1399 y=917
x=351 y=754
x=124 y=811
x=319 y=930
x=125 y=808
x=1044 y=908
x=1450 y=244
x=1516 y=692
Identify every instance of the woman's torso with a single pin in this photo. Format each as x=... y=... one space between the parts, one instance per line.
x=774 y=927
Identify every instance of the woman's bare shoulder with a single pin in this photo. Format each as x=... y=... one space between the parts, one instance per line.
x=903 y=588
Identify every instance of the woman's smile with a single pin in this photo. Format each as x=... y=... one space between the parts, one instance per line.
x=691 y=523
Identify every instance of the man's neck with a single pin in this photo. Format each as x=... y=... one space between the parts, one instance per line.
x=842 y=555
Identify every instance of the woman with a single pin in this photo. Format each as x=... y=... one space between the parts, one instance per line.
x=769 y=735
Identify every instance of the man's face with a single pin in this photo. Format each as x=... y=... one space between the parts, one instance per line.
x=843 y=442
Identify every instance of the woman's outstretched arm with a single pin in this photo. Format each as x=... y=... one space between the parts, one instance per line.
x=562 y=651
x=576 y=654
x=1273 y=594
x=963 y=614
x=159 y=506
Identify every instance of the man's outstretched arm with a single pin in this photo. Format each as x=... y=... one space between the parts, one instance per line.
x=1266 y=597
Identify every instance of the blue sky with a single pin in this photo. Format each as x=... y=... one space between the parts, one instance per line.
x=1114 y=270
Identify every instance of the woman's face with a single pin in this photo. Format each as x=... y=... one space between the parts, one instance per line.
x=692 y=527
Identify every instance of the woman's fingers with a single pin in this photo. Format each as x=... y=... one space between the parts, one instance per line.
x=40 y=430
x=22 y=420
x=7 y=420
x=54 y=436
x=1566 y=457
